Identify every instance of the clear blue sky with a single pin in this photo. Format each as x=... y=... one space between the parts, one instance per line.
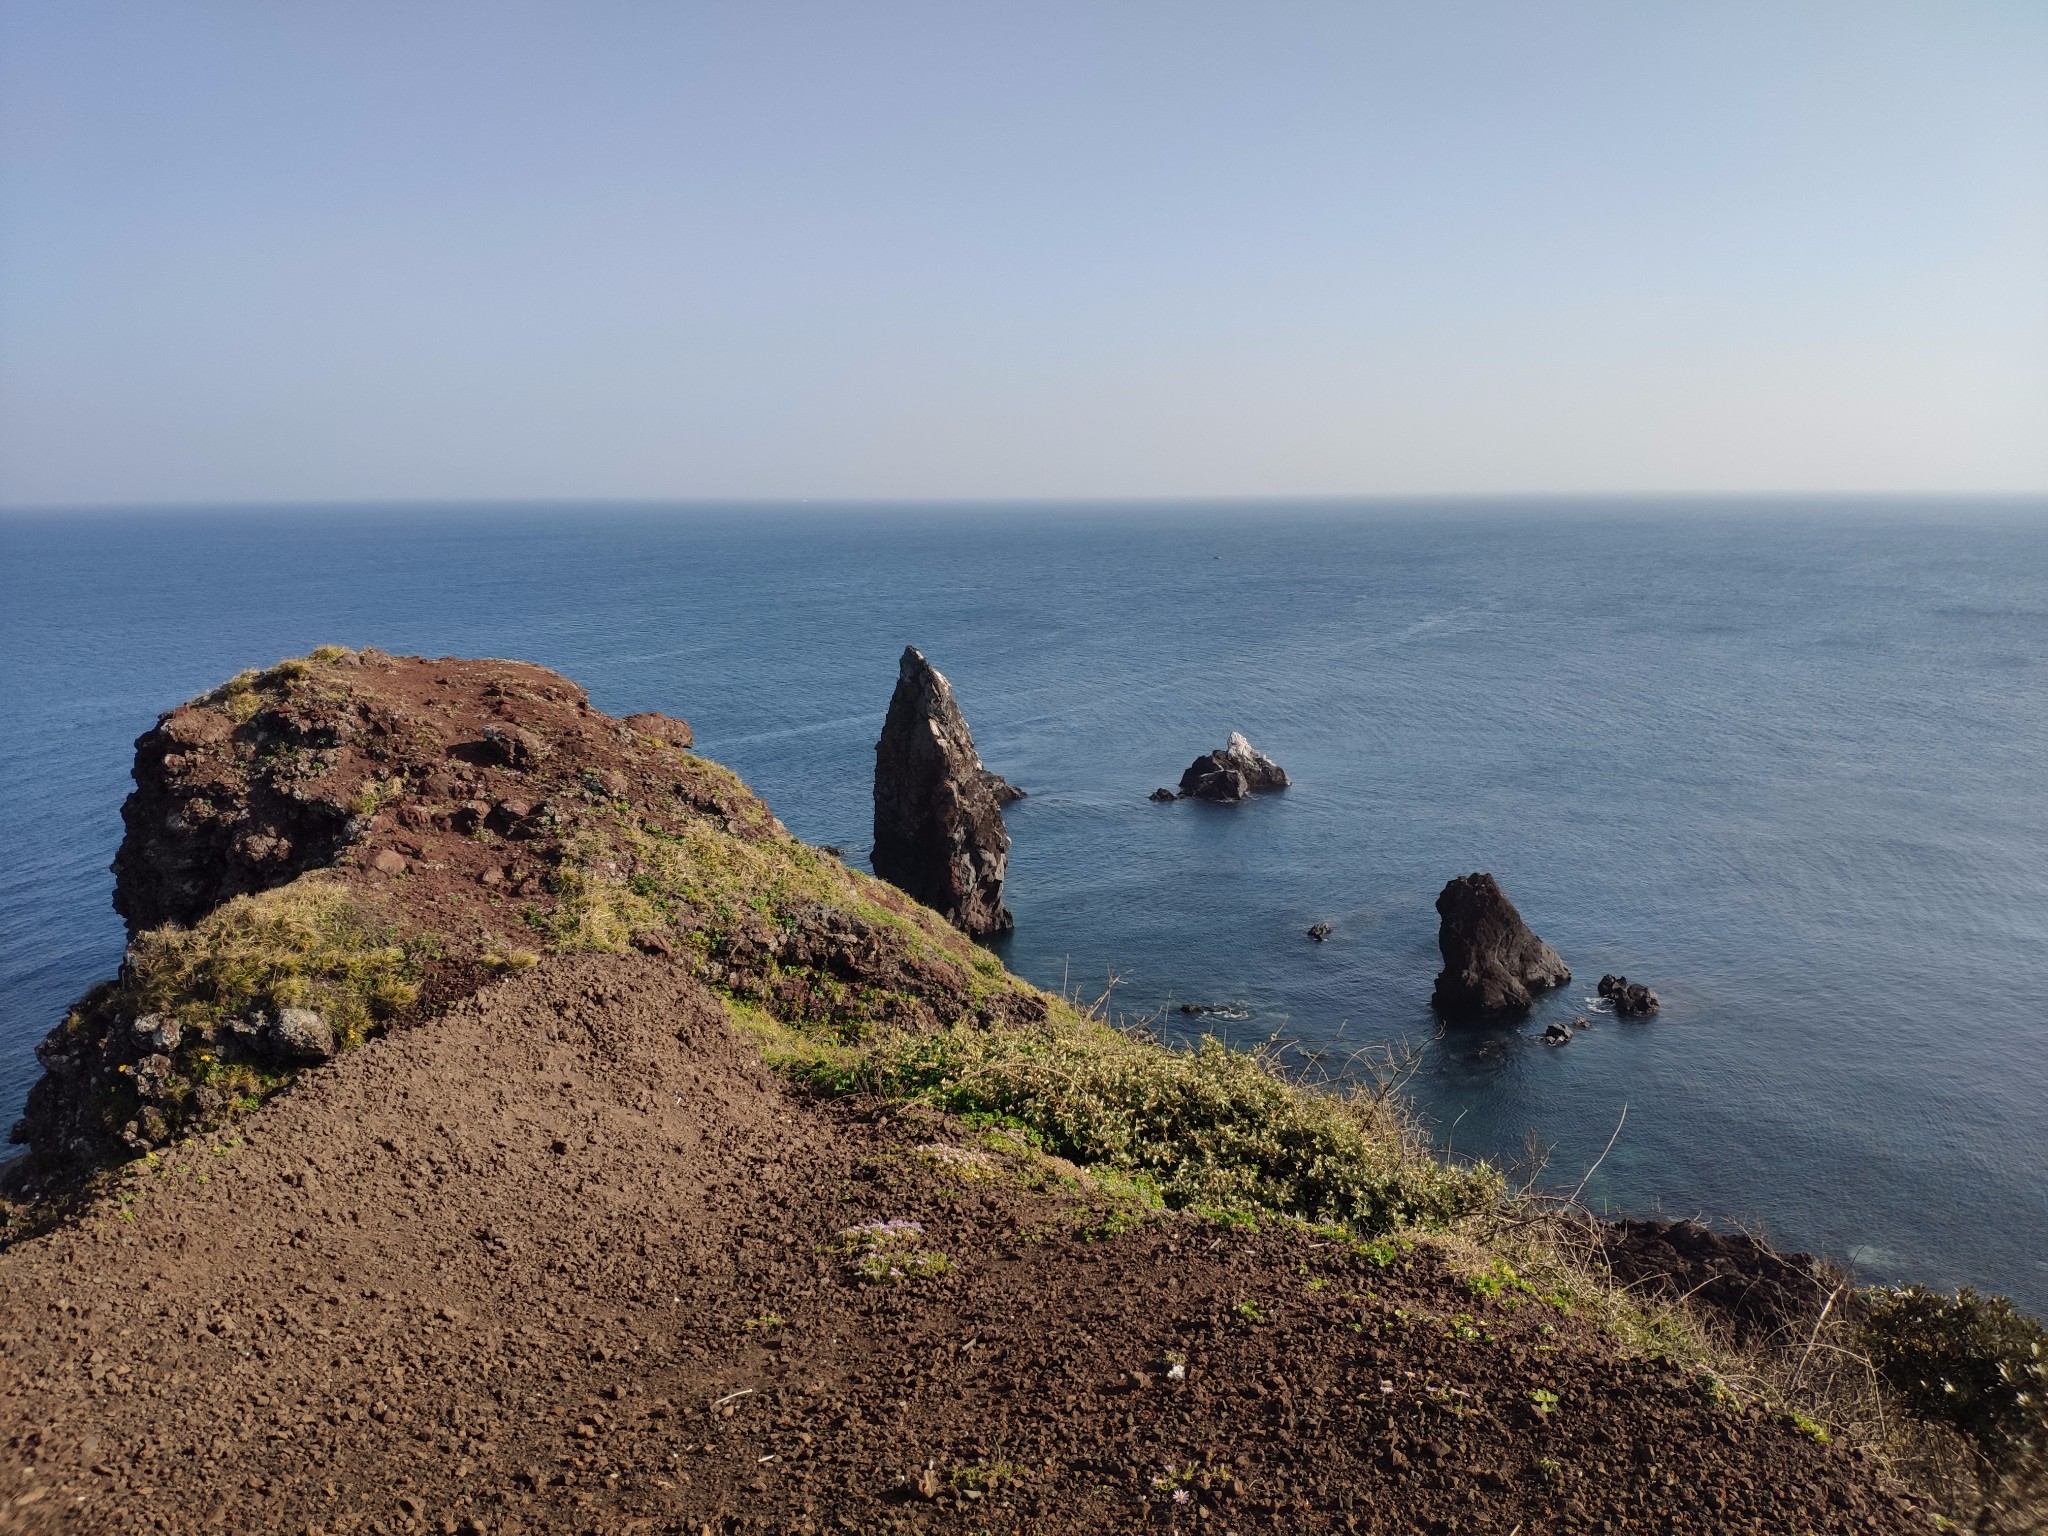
x=420 y=249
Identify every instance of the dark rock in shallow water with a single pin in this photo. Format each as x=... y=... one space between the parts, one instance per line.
x=1631 y=999
x=1005 y=792
x=939 y=832
x=1319 y=932
x=1237 y=771
x=1557 y=1034
x=1493 y=964
x=1162 y=793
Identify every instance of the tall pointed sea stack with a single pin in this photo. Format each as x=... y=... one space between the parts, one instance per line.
x=1493 y=964
x=939 y=832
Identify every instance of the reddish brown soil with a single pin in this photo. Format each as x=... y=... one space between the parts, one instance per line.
x=566 y=1260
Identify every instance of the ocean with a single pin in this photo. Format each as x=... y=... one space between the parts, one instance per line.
x=1782 y=761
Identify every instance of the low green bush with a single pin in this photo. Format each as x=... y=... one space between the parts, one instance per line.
x=1974 y=1363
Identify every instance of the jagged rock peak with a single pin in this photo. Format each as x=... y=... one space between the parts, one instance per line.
x=1493 y=964
x=1235 y=772
x=939 y=832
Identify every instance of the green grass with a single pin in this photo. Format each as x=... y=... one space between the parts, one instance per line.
x=1210 y=1129
x=309 y=944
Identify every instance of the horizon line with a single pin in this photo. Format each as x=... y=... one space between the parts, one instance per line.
x=996 y=503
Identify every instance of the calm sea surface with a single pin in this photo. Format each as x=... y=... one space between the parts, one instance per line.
x=1789 y=765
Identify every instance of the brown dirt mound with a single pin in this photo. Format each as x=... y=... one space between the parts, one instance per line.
x=570 y=1259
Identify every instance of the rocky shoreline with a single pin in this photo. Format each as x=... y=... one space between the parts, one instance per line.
x=500 y=1124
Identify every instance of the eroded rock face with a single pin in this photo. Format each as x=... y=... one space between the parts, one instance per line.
x=222 y=809
x=1235 y=772
x=1493 y=964
x=939 y=832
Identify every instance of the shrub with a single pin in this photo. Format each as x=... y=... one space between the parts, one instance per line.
x=1975 y=1363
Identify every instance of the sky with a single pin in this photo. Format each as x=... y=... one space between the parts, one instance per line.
x=613 y=249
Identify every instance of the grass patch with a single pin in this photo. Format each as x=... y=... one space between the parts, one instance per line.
x=310 y=944
x=890 y=1253
x=1211 y=1129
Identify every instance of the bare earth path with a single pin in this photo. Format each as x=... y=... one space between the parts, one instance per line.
x=570 y=1259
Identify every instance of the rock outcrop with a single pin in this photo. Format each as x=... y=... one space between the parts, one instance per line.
x=347 y=842
x=1630 y=999
x=939 y=833
x=1493 y=964
x=1236 y=771
x=1759 y=1292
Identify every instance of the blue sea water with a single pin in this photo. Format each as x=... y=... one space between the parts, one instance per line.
x=1783 y=762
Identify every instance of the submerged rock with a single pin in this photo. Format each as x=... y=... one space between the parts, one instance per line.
x=1236 y=771
x=1631 y=999
x=1493 y=964
x=939 y=832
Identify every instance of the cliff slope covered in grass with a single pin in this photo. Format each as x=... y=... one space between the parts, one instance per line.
x=501 y=1124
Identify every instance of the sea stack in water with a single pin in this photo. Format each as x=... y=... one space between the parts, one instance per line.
x=1631 y=999
x=1493 y=964
x=939 y=832
x=1236 y=772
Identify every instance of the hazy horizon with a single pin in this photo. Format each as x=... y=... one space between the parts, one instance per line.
x=711 y=254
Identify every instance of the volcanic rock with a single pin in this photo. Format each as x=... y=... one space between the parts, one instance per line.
x=663 y=728
x=1493 y=964
x=1756 y=1290
x=939 y=832
x=1162 y=793
x=1237 y=771
x=1631 y=999
x=1319 y=932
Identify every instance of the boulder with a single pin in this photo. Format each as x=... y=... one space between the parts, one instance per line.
x=1631 y=999
x=1162 y=793
x=666 y=729
x=293 y=1037
x=1493 y=964
x=1319 y=932
x=1555 y=1033
x=1236 y=771
x=939 y=833
x=297 y=1036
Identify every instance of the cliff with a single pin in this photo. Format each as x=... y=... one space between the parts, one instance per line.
x=662 y=1174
